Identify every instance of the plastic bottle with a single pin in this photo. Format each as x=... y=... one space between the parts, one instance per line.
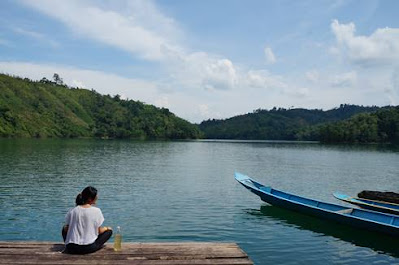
x=118 y=240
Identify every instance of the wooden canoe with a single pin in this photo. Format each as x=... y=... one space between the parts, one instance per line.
x=365 y=219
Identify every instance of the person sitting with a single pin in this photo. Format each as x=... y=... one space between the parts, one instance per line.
x=82 y=231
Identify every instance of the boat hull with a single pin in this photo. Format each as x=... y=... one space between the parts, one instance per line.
x=369 y=204
x=370 y=220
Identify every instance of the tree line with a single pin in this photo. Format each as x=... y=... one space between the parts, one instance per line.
x=379 y=127
x=345 y=124
x=48 y=108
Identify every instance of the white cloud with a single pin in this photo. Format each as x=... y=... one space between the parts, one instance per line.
x=380 y=48
x=220 y=74
x=301 y=92
x=162 y=101
x=200 y=70
x=375 y=58
x=204 y=109
x=129 y=32
x=345 y=79
x=393 y=91
x=147 y=15
x=77 y=83
x=145 y=32
x=207 y=112
x=269 y=55
x=263 y=79
x=139 y=28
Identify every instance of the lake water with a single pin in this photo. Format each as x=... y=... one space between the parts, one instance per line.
x=185 y=191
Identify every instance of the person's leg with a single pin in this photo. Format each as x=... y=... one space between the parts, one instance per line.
x=102 y=238
x=85 y=249
x=80 y=249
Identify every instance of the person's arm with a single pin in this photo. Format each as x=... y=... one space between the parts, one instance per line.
x=100 y=221
x=67 y=221
x=103 y=229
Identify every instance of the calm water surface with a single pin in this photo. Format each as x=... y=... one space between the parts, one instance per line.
x=185 y=191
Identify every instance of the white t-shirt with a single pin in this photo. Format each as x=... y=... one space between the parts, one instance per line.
x=83 y=225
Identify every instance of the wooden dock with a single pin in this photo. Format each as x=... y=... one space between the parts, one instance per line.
x=46 y=253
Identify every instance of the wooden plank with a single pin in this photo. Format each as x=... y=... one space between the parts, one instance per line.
x=132 y=246
x=123 y=262
x=163 y=255
x=166 y=246
x=146 y=244
x=132 y=253
x=117 y=257
x=216 y=251
x=133 y=262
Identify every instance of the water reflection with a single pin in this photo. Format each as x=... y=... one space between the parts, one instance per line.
x=380 y=243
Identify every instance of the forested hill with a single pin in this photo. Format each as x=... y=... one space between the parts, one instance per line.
x=51 y=109
x=348 y=123
x=381 y=126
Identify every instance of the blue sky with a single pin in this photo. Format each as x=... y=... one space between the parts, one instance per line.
x=210 y=59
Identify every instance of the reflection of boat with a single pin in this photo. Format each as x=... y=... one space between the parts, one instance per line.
x=359 y=237
x=380 y=206
x=380 y=222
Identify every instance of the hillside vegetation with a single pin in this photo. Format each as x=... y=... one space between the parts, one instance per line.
x=348 y=123
x=381 y=126
x=51 y=109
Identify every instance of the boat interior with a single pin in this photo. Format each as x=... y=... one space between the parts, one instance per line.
x=382 y=204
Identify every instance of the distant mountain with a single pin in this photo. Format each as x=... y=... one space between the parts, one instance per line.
x=51 y=109
x=296 y=124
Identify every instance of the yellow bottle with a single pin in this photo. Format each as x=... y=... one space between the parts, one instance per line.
x=118 y=240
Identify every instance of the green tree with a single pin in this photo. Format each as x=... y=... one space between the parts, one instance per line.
x=57 y=79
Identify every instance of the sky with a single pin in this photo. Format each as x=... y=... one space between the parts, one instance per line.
x=207 y=59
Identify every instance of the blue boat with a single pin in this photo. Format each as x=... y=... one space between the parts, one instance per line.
x=379 y=206
x=370 y=220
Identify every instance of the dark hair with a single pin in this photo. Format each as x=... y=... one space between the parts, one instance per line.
x=89 y=193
